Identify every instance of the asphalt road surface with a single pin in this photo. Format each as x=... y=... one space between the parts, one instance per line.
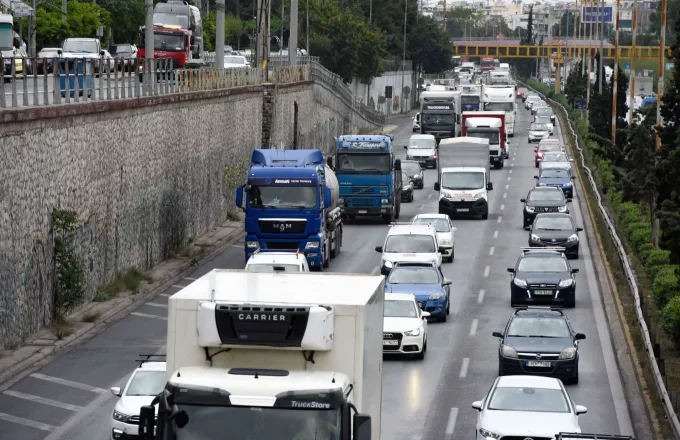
x=69 y=399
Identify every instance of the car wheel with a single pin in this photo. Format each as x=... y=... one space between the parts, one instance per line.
x=443 y=318
x=485 y=215
x=448 y=306
x=421 y=355
x=574 y=379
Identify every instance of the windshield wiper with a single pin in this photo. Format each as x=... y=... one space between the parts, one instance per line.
x=551 y=229
x=516 y=336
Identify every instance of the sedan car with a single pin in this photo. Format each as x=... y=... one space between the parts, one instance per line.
x=526 y=407
x=446 y=233
x=529 y=100
x=543 y=199
x=538 y=132
x=404 y=326
x=547 y=112
x=558 y=178
x=545 y=120
x=543 y=277
x=539 y=341
x=554 y=229
x=426 y=282
x=416 y=123
x=414 y=172
x=522 y=92
x=538 y=104
x=555 y=159
x=407 y=187
x=544 y=146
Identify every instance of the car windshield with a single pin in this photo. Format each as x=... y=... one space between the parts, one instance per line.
x=539 y=127
x=274 y=267
x=533 y=98
x=555 y=157
x=555 y=173
x=546 y=196
x=542 y=264
x=544 y=111
x=535 y=326
x=411 y=168
x=234 y=60
x=440 y=224
x=529 y=399
x=543 y=120
x=427 y=144
x=550 y=223
x=400 y=309
x=80 y=46
x=499 y=106
x=363 y=163
x=549 y=147
x=147 y=383
x=413 y=275
x=282 y=197
x=411 y=243
x=462 y=180
x=168 y=18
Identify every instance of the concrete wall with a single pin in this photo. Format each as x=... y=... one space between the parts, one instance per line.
x=369 y=93
x=144 y=176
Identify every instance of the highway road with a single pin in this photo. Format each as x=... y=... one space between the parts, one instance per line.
x=69 y=399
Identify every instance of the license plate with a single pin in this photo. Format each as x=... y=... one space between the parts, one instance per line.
x=540 y=364
x=390 y=342
x=362 y=211
x=543 y=292
x=463 y=210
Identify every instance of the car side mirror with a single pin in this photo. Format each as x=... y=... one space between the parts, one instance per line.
x=528 y=129
x=16 y=42
x=571 y=160
x=497 y=334
x=59 y=52
x=535 y=177
x=437 y=186
x=579 y=229
x=116 y=391
x=489 y=186
x=535 y=150
x=447 y=282
x=426 y=315
x=511 y=269
x=580 y=409
x=379 y=249
x=573 y=177
x=361 y=427
x=569 y=200
x=442 y=250
x=405 y=147
x=574 y=271
x=239 y=196
x=523 y=200
x=579 y=336
x=477 y=405
x=397 y=164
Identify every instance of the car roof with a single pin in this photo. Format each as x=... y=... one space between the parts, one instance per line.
x=422 y=136
x=432 y=215
x=414 y=265
x=545 y=188
x=528 y=382
x=400 y=297
x=542 y=253
x=152 y=366
x=419 y=229
x=554 y=214
x=538 y=312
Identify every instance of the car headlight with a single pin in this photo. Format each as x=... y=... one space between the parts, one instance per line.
x=414 y=332
x=436 y=296
x=530 y=208
x=418 y=176
x=566 y=283
x=445 y=242
x=384 y=201
x=387 y=264
x=568 y=353
x=341 y=201
x=479 y=195
x=253 y=245
x=508 y=351
x=568 y=184
x=562 y=208
x=520 y=283
x=535 y=238
x=540 y=184
x=119 y=416
x=573 y=238
x=488 y=434
x=312 y=245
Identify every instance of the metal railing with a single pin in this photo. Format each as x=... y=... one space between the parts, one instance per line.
x=661 y=388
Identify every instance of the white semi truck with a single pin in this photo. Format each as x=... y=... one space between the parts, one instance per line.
x=261 y=356
x=501 y=98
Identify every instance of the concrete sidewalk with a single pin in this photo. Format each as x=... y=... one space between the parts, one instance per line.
x=94 y=317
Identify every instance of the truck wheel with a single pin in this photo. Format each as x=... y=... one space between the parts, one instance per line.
x=334 y=251
x=497 y=165
x=327 y=254
x=397 y=209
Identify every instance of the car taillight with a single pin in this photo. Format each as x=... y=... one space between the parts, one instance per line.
x=539 y=154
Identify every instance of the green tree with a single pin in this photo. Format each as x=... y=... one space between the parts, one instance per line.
x=50 y=29
x=234 y=29
x=84 y=18
x=126 y=18
x=430 y=46
x=639 y=162
x=463 y=22
x=576 y=85
x=525 y=67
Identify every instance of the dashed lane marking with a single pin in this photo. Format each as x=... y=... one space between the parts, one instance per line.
x=26 y=422
x=505 y=195
x=429 y=196
x=495 y=234
x=507 y=186
x=42 y=400
x=509 y=177
x=451 y=424
x=422 y=206
x=502 y=207
x=473 y=327
x=492 y=250
x=147 y=315
x=464 y=368
x=500 y=218
x=487 y=269
x=480 y=298
x=511 y=170
x=68 y=383
x=163 y=306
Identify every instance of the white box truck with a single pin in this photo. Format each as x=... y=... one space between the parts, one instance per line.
x=501 y=99
x=272 y=356
x=464 y=177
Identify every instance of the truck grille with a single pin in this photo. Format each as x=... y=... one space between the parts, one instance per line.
x=392 y=337
x=546 y=209
x=364 y=190
x=362 y=202
x=285 y=226
x=282 y=245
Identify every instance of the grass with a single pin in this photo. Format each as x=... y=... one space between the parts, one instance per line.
x=62 y=328
x=130 y=281
x=233 y=216
x=91 y=317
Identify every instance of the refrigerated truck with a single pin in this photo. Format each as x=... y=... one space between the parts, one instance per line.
x=262 y=355
x=488 y=125
x=501 y=98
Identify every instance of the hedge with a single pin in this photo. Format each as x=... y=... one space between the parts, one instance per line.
x=665 y=285
x=670 y=319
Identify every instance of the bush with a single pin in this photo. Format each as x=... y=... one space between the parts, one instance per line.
x=655 y=259
x=665 y=285
x=629 y=212
x=639 y=235
x=670 y=319
x=644 y=251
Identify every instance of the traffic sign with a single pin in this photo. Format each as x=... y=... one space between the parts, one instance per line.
x=21 y=9
x=593 y=14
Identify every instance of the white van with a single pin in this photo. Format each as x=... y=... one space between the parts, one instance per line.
x=406 y=242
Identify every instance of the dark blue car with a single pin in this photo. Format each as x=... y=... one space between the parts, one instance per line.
x=558 y=177
x=426 y=282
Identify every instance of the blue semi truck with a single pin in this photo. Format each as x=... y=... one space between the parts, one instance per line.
x=370 y=177
x=290 y=201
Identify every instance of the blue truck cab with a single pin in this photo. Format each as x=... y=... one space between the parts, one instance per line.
x=369 y=175
x=290 y=203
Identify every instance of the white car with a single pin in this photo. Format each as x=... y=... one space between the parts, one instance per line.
x=407 y=242
x=538 y=104
x=416 y=123
x=555 y=159
x=526 y=407
x=146 y=382
x=423 y=149
x=446 y=233
x=538 y=132
x=546 y=112
x=545 y=120
x=277 y=261
x=404 y=325
x=531 y=99
x=235 y=62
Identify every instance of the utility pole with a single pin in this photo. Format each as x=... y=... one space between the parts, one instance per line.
x=589 y=58
x=148 y=44
x=283 y=14
x=403 y=58
x=64 y=10
x=631 y=84
x=616 y=74
x=292 y=39
x=219 y=34
x=662 y=60
x=601 y=68
x=262 y=48
x=307 y=31
x=444 y=17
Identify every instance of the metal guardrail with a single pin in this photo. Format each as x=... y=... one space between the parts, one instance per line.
x=671 y=416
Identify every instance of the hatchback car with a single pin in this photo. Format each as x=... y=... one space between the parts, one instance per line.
x=554 y=229
x=404 y=326
x=555 y=159
x=543 y=199
x=536 y=105
x=526 y=407
x=538 y=132
x=558 y=178
x=423 y=149
x=409 y=243
x=426 y=282
x=545 y=120
x=414 y=172
x=542 y=277
x=446 y=233
x=45 y=61
x=407 y=187
x=529 y=100
x=545 y=146
x=547 y=112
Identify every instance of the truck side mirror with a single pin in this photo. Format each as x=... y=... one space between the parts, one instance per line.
x=327 y=197
x=489 y=186
x=397 y=164
x=147 y=414
x=239 y=196
x=16 y=42
x=361 y=429
x=101 y=52
x=437 y=186
x=59 y=52
x=192 y=40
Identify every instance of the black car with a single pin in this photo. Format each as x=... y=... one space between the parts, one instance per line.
x=543 y=199
x=554 y=229
x=407 y=189
x=539 y=342
x=414 y=172
x=558 y=177
x=543 y=277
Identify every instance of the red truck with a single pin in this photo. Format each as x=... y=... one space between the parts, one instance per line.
x=487 y=64
x=488 y=125
x=169 y=42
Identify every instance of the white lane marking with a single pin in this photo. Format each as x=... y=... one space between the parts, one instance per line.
x=507 y=186
x=429 y=196
x=238 y=246
x=500 y=217
x=42 y=400
x=480 y=298
x=511 y=170
x=192 y=279
x=473 y=327
x=492 y=250
x=68 y=383
x=451 y=424
x=495 y=234
x=375 y=270
x=422 y=206
x=26 y=422
x=505 y=195
x=177 y=286
x=486 y=271
x=164 y=306
x=509 y=178
x=464 y=368
x=167 y=295
x=502 y=207
x=146 y=315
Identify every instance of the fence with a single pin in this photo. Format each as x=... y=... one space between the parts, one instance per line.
x=669 y=400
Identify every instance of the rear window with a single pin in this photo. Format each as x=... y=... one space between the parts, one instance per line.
x=121 y=50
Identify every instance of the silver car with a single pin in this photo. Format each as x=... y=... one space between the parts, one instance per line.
x=538 y=132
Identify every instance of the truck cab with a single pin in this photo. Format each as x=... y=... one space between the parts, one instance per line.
x=169 y=42
x=180 y=15
x=502 y=99
x=438 y=112
x=487 y=128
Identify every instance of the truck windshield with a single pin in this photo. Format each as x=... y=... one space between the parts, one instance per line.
x=364 y=163
x=492 y=136
x=255 y=423
x=469 y=100
x=6 y=36
x=463 y=180
x=167 y=18
x=499 y=106
x=437 y=119
x=80 y=46
x=168 y=42
x=282 y=197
